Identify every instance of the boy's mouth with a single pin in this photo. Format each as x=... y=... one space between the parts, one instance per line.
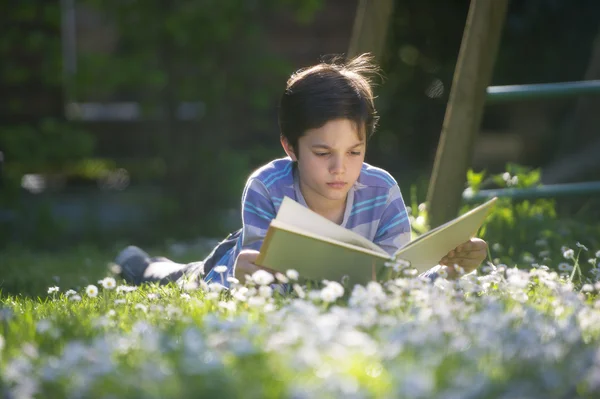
x=337 y=184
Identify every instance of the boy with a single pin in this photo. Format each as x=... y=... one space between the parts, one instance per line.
x=326 y=115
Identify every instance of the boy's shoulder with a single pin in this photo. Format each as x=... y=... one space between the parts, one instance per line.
x=372 y=176
x=274 y=171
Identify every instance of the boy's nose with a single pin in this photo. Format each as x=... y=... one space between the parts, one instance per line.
x=337 y=165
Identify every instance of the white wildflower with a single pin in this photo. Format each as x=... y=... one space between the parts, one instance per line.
x=126 y=288
x=30 y=350
x=91 y=291
x=212 y=295
x=598 y=254
x=203 y=285
x=587 y=288
x=528 y=258
x=565 y=267
x=120 y=301
x=281 y=278
x=108 y=283
x=568 y=253
x=262 y=277
x=580 y=245
x=336 y=288
x=52 y=290
x=191 y=285
x=544 y=254
x=265 y=291
x=256 y=301
x=374 y=288
x=215 y=287
x=141 y=307
x=43 y=326
x=114 y=268
x=111 y=313
x=410 y=272
x=185 y=296
x=459 y=270
x=239 y=293
x=232 y=280
x=299 y=291
x=70 y=292
x=220 y=269
x=75 y=298
x=487 y=269
x=269 y=307
x=442 y=272
x=314 y=295
x=227 y=305
x=327 y=295
x=293 y=274
x=592 y=261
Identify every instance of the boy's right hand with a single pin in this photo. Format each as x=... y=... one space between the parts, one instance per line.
x=244 y=264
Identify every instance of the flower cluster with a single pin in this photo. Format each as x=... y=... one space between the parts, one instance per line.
x=502 y=332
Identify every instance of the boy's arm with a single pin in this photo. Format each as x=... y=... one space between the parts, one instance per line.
x=257 y=212
x=393 y=230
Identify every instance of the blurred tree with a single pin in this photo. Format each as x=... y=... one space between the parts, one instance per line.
x=576 y=157
x=543 y=41
x=34 y=135
x=371 y=26
x=209 y=53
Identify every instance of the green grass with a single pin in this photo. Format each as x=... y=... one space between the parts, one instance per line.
x=527 y=324
x=30 y=273
x=507 y=333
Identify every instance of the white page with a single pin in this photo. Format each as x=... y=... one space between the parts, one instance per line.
x=427 y=250
x=303 y=218
x=318 y=258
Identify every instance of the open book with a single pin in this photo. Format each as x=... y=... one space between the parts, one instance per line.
x=320 y=249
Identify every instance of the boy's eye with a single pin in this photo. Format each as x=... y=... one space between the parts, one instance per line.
x=321 y=154
x=355 y=152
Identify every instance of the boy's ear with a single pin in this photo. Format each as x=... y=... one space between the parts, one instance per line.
x=287 y=147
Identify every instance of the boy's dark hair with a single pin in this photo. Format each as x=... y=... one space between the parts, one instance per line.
x=328 y=91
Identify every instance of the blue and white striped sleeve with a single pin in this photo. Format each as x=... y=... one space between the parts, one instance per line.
x=393 y=230
x=257 y=212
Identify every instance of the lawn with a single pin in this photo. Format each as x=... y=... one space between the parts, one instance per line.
x=526 y=324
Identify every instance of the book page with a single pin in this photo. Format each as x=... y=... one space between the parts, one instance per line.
x=428 y=249
x=299 y=216
x=318 y=258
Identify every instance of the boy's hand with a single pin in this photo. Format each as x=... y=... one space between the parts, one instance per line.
x=468 y=255
x=244 y=264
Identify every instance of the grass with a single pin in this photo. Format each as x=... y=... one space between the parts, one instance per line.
x=506 y=333
x=526 y=324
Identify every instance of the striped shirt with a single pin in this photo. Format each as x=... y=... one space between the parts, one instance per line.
x=374 y=208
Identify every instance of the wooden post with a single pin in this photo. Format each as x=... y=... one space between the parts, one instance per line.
x=370 y=28
x=480 y=42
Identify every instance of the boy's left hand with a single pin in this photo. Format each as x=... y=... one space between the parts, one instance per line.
x=468 y=255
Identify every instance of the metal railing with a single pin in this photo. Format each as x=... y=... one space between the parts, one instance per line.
x=549 y=191
x=502 y=94
x=543 y=91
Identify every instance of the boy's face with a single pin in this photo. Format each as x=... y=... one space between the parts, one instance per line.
x=329 y=161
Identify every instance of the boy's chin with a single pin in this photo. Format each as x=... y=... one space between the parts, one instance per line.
x=336 y=195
